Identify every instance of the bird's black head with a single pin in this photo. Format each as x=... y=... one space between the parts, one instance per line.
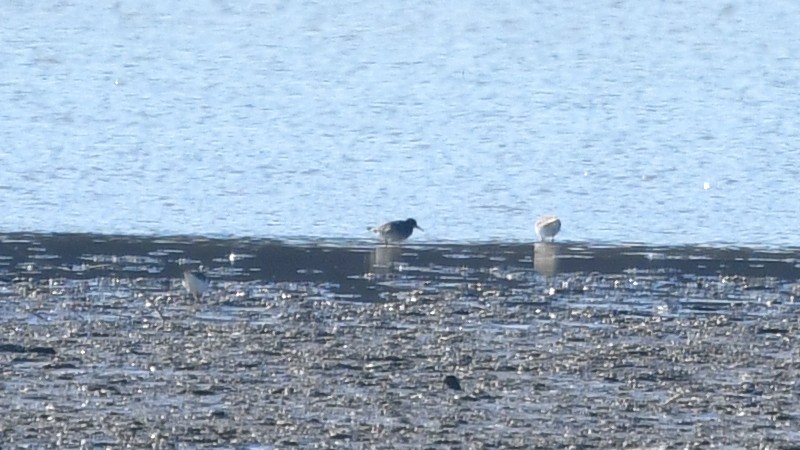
x=413 y=224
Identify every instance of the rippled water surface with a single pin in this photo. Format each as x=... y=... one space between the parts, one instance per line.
x=656 y=122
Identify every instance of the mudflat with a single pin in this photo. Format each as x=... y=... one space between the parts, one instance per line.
x=355 y=346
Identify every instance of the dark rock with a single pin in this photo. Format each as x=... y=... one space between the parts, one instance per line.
x=451 y=382
x=42 y=350
x=12 y=348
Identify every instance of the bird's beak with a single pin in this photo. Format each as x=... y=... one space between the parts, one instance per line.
x=419 y=228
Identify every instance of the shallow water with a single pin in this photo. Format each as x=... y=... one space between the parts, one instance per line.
x=348 y=345
x=655 y=122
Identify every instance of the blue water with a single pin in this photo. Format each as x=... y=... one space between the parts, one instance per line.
x=656 y=122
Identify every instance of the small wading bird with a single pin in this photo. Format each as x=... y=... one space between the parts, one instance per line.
x=195 y=282
x=548 y=227
x=396 y=231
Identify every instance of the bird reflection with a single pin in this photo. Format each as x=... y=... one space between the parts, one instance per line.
x=382 y=258
x=545 y=258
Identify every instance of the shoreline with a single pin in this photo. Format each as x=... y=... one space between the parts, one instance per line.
x=90 y=255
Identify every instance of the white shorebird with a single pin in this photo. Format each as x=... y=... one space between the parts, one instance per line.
x=396 y=231
x=196 y=283
x=548 y=227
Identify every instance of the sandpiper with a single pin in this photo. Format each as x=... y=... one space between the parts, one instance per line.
x=195 y=282
x=396 y=231
x=548 y=227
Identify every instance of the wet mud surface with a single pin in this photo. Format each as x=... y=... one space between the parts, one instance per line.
x=357 y=346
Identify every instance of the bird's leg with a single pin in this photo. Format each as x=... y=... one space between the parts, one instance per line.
x=158 y=311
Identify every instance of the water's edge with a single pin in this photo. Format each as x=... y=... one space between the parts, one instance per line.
x=92 y=255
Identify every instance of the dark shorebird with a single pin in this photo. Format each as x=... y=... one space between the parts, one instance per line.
x=195 y=282
x=396 y=231
x=548 y=227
